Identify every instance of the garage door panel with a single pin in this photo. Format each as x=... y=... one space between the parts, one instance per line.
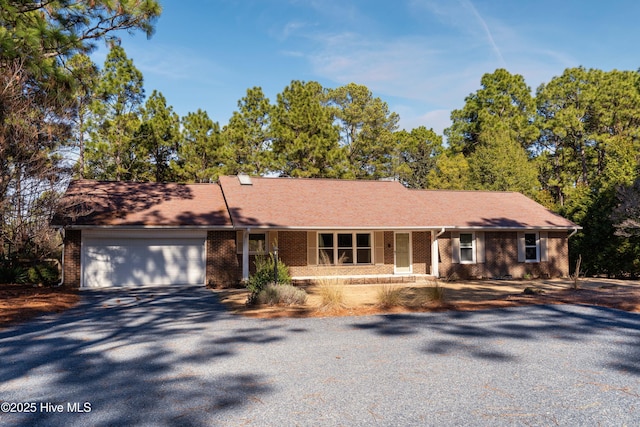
x=143 y=261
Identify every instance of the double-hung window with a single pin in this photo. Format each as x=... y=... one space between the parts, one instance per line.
x=531 y=247
x=467 y=248
x=344 y=248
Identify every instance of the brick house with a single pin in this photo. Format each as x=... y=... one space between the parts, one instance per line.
x=133 y=234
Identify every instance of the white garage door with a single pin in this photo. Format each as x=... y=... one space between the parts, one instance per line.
x=142 y=258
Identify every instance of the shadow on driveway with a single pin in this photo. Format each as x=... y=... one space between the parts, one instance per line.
x=125 y=352
x=568 y=323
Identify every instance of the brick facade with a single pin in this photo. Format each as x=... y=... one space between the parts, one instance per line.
x=71 y=265
x=501 y=258
x=223 y=269
x=293 y=252
x=224 y=264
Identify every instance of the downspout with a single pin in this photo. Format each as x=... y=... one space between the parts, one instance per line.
x=575 y=230
x=245 y=254
x=435 y=254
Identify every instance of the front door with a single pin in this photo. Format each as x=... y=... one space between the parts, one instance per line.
x=403 y=253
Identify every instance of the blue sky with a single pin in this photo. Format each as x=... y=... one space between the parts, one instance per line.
x=422 y=57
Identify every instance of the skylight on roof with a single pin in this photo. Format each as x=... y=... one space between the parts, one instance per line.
x=244 y=179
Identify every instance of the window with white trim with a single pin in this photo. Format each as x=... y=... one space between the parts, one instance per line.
x=467 y=248
x=531 y=247
x=344 y=248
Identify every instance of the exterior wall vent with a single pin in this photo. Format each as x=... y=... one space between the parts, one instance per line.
x=244 y=179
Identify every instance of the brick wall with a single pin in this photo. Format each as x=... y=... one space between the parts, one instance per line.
x=223 y=268
x=72 y=246
x=292 y=248
x=293 y=252
x=421 y=251
x=501 y=258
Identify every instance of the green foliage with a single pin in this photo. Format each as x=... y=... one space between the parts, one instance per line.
x=501 y=164
x=40 y=273
x=366 y=131
x=305 y=138
x=113 y=153
x=451 y=172
x=278 y=294
x=248 y=135
x=264 y=273
x=201 y=155
x=504 y=102
x=420 y=150
x=158 y=137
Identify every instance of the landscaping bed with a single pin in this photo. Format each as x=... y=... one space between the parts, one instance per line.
x=22 y=302
x=461 y=296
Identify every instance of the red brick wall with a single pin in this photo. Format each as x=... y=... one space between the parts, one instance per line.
x=223 y=268
x=421 y=251
x=72 y=246
x=292 y=248
x=501 y=258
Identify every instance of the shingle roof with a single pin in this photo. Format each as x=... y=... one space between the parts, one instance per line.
x=341 y=204
x=88 y=202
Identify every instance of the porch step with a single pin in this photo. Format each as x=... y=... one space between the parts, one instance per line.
x=366 y=280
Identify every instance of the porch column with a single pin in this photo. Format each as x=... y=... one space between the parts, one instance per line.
x=435 y=271
x=245 y=255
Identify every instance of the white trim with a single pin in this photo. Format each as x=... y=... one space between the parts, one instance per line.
x=473 y=248
x=354 y=246
x=141 y=234
x=537 y=246
x=395 y=262
x=94 y=236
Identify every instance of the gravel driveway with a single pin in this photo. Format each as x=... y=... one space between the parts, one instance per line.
x=173 y=356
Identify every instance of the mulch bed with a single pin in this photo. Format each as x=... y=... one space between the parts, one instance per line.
x=21 y=302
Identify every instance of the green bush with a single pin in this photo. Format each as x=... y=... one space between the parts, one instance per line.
x=46 y=274
x=264 y=274
x=274 y=294
x=13 y=274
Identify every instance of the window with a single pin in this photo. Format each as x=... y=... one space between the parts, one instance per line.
x=325 y=248
x=363 y=244
x=257 y=243
x=344 y=248
x=531 y=251
x=467 y=250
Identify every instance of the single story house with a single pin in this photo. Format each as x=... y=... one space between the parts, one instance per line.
x=135 y=234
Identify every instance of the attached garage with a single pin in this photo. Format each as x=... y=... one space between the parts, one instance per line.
x=142 y=258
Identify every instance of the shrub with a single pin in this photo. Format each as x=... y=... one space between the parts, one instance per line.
x=389 y=296
x=433 y=295
x=13 y=274
x=274 y=294
x=46 y=274
x=331 y=291
x=264 y=275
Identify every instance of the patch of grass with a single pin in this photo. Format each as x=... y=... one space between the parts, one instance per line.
x=274 y=294
x=389 y=296
x=331 y=290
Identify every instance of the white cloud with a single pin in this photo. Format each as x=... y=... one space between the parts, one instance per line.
x=438 y=120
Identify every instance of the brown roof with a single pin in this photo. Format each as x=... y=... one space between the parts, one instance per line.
x=341 y=204
x=102 y=203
